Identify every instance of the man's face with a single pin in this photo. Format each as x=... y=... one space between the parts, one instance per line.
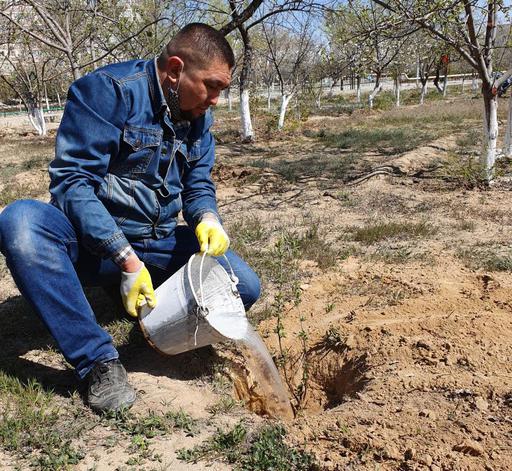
x=199 y=88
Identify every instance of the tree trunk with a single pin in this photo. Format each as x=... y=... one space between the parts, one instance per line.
x=229 y=98
x=245 y=110
x=474 y=85
x=358 y=89
x=285 y=99
x=507 y=147
x=58 y=100
x=269 y=97
x=436 y=80
x=488 y=157
x=463 y=79
x=245 y=116
x=423 y=91
x=418 y=72
x=375 y=91
x=46 y=98
x=445 y=84
x=36 y=118
x=331 y=88
x=397 y=90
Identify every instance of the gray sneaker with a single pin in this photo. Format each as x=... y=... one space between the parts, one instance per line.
x=109 y=389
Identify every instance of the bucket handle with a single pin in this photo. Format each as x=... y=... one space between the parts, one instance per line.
x=202 y=310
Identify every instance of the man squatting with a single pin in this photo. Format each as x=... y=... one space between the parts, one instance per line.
x=133 y=149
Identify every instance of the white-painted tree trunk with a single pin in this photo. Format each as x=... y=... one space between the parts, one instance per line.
x=46 y=98
x=358 y=89
x=397 y=91
x=488 y=157
x=269 y=97
x=373 y=94
x=245 y=115
x=285 y=99
x=331 y=88
x=36 y=118
x=229 y=98
x=474 y=85
x=58 y=100
x=507 y=146
x=423 y=92
x=445 y=85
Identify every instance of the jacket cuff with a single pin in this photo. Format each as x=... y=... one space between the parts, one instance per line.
x=108 y=248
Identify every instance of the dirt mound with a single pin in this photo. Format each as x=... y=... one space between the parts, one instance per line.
x=420 y=383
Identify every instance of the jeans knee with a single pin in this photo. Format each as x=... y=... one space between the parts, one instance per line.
x=16 y=228
x=251 y=290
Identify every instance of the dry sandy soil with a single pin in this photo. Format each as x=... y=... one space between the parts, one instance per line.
x=408 y=338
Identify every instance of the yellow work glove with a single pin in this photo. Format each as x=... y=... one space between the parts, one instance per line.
x=136 y=290
x=211 y=236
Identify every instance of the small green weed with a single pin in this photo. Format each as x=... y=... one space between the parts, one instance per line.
x=312 y=246
x=373 y=233
x=223 y=406
x=153 y=424
x=466 y=172
x=333 y=340
x=265 y=450
x=120 y=330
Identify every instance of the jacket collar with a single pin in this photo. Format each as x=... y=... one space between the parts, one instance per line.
x=157 y=94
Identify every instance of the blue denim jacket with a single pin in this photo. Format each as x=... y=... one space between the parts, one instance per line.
x=122 y=169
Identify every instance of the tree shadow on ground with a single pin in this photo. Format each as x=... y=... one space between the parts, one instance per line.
x=29 y=351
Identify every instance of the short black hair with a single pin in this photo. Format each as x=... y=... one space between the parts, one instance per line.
x=199 y=44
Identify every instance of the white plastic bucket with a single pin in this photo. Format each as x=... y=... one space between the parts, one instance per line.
x=199 y=305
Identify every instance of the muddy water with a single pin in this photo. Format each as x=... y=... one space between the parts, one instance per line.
x=261 y=387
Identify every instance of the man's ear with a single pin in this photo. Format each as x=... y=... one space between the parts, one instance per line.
x=174 y=69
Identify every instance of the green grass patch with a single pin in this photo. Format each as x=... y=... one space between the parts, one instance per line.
x=34 y=426
x=493 y=258
x=263 y=451
x=336 y=167
x=396 y=255
x=16 y=191
x=374 y=233
x=386 y=141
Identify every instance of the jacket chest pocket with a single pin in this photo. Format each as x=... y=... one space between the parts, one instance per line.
x=140 y=147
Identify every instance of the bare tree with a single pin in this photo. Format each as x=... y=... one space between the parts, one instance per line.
x=289 y=51
x=72 y=28
x=243 y=18
x=470 y=28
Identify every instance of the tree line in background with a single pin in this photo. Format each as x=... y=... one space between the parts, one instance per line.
x=298 y=45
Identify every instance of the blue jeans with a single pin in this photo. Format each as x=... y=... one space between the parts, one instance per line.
x=50 y=266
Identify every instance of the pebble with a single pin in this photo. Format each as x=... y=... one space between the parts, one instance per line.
x=409 y=454
x=481 y=404
x=427 y=413
x=434 y=467
x=392 y=453
x=469 y=447
x=427 y=460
